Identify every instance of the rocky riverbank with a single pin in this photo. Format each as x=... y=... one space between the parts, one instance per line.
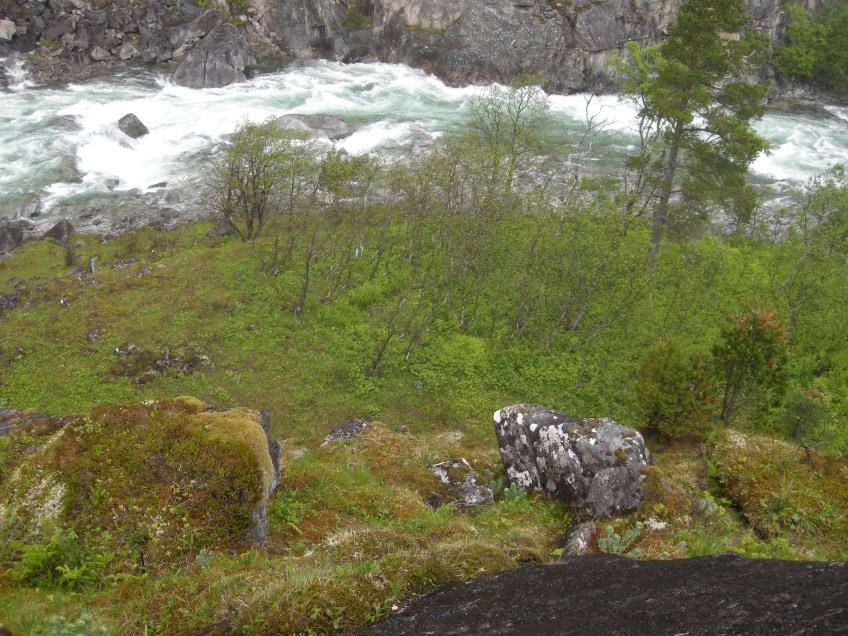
x=570 y=42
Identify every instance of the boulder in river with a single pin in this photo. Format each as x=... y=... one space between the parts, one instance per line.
x=132 y=126
x=315 y=125
x=217 y=60
x=593 y=463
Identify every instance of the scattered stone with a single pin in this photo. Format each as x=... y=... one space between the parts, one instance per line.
x=128 y=52
x=592 y=463
x=61 y=232
x=346 y=430
x=92 y=265
x=131 y=126
x=315 y=125
x=99 y=54
x=580 y=540
x=92 y=336
x=145 y=365
x=461 y=481
x=218 y=60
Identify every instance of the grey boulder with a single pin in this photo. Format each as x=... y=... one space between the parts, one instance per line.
x=218 y=59
x=315 y=125
x=11 y=234
x=592 y=463
x=132 y=126
x=60 y=232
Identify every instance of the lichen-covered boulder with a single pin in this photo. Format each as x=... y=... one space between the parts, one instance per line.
x=144 y=483
x=592 y=463
x=460 y=480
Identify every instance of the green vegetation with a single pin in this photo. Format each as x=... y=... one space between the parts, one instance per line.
x=423 y=294
x=817 y=46
x=695 y=116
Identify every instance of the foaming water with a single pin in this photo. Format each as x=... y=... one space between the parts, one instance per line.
x=62 y=146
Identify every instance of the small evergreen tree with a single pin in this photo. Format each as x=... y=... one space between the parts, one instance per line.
x=696 y=108
x=750 y=357
x=673 y=393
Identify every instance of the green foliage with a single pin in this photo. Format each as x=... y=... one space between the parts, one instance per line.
x=750 y=357
x=615 y=543
x=695 y=109
x=56 y=561
x=84 y=625
x=816 y=47
x=673 y=394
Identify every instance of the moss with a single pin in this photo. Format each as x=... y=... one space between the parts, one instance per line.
x=785 y=492
x=149 y=484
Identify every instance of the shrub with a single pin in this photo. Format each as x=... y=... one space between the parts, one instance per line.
x=673 y=394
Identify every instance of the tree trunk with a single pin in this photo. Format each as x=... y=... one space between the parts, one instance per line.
x=661 y=211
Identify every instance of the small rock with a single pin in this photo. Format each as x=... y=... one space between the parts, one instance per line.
x=92 y=336
x=222 y=227
x=346 y=430
x=461 y=481
x=11 y=234
x=127 y=52
x=7 y=30
x=99 y=54
x=131 y=126
x=578 y=541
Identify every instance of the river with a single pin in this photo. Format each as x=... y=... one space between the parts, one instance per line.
x=61 y=147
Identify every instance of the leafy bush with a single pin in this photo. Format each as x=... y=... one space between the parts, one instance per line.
x=673 y=394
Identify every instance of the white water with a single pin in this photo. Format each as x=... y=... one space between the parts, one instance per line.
x=62 y=145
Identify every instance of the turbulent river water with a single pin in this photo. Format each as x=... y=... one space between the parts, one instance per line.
x=62 y=148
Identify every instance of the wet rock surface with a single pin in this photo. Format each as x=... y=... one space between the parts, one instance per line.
x=720 y=595
x=592 y=463
x=132 y=126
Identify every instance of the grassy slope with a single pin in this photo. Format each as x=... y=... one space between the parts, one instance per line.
x=350 y=534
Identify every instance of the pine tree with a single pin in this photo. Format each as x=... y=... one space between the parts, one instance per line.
x=696 y=109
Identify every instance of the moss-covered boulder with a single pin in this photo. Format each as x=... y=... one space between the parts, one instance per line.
x=134 y=488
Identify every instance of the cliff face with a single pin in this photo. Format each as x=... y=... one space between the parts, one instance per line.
x=569 y=41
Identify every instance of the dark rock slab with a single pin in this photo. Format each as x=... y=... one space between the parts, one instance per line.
x=132 y=126
x=592 y=463
x=708 y=596
x=12 y=234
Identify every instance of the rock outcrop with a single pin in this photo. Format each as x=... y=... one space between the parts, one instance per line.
x=12 y=234
x=592 y=463
x=571 y=42
x=218 y=60
x=708 y=596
